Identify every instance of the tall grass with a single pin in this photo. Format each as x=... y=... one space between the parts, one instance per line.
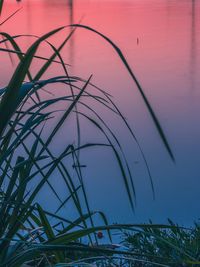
x=172 y=246
x=28 y=232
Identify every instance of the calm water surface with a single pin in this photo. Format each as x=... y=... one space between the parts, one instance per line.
x=161 y=40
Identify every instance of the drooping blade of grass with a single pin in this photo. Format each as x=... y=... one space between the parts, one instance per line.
x=134 y=137
x=66 y=114
x=24 y=133
x=32 y=158
x=52 y=166
x=118 y=158
x=16 y=47
x=48 y=63
x=36 y=165
x=117 y=111
x=20 y=56
x=65 y=175
x=52 y=58
x=9 y=17
x=8 y=102
x=85 y=217
x=67 y=199
x=146 y=101
x=73 y=193
x=35 y=56
x=117 y=142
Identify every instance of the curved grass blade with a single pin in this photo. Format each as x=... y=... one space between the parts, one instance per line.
x=9 y=101
x=118 y=158
x=149 y=107
x=10 y=16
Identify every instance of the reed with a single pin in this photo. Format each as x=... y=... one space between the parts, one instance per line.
x=29 y=233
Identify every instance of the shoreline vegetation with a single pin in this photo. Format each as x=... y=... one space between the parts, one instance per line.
x=30 y=235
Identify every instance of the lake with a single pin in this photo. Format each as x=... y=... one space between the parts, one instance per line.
x=161 y=41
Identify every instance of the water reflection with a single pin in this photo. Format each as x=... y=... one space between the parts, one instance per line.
x=71 y=21
x=29 y=18
x=193 y=52
x=166 y=62
x=71 y=15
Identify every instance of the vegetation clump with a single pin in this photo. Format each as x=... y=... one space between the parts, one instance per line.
x=172 y=246
x=34 y=236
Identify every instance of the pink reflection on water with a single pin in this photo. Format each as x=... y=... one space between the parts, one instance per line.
x=161 y=40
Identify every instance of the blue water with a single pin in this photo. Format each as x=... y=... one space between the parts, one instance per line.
x=161 y=40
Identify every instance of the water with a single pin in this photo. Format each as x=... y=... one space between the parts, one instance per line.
x=161 y=40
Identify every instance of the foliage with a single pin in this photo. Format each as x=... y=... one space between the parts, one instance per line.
x=172 y=246
x=28 y=162
x=28 y=233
